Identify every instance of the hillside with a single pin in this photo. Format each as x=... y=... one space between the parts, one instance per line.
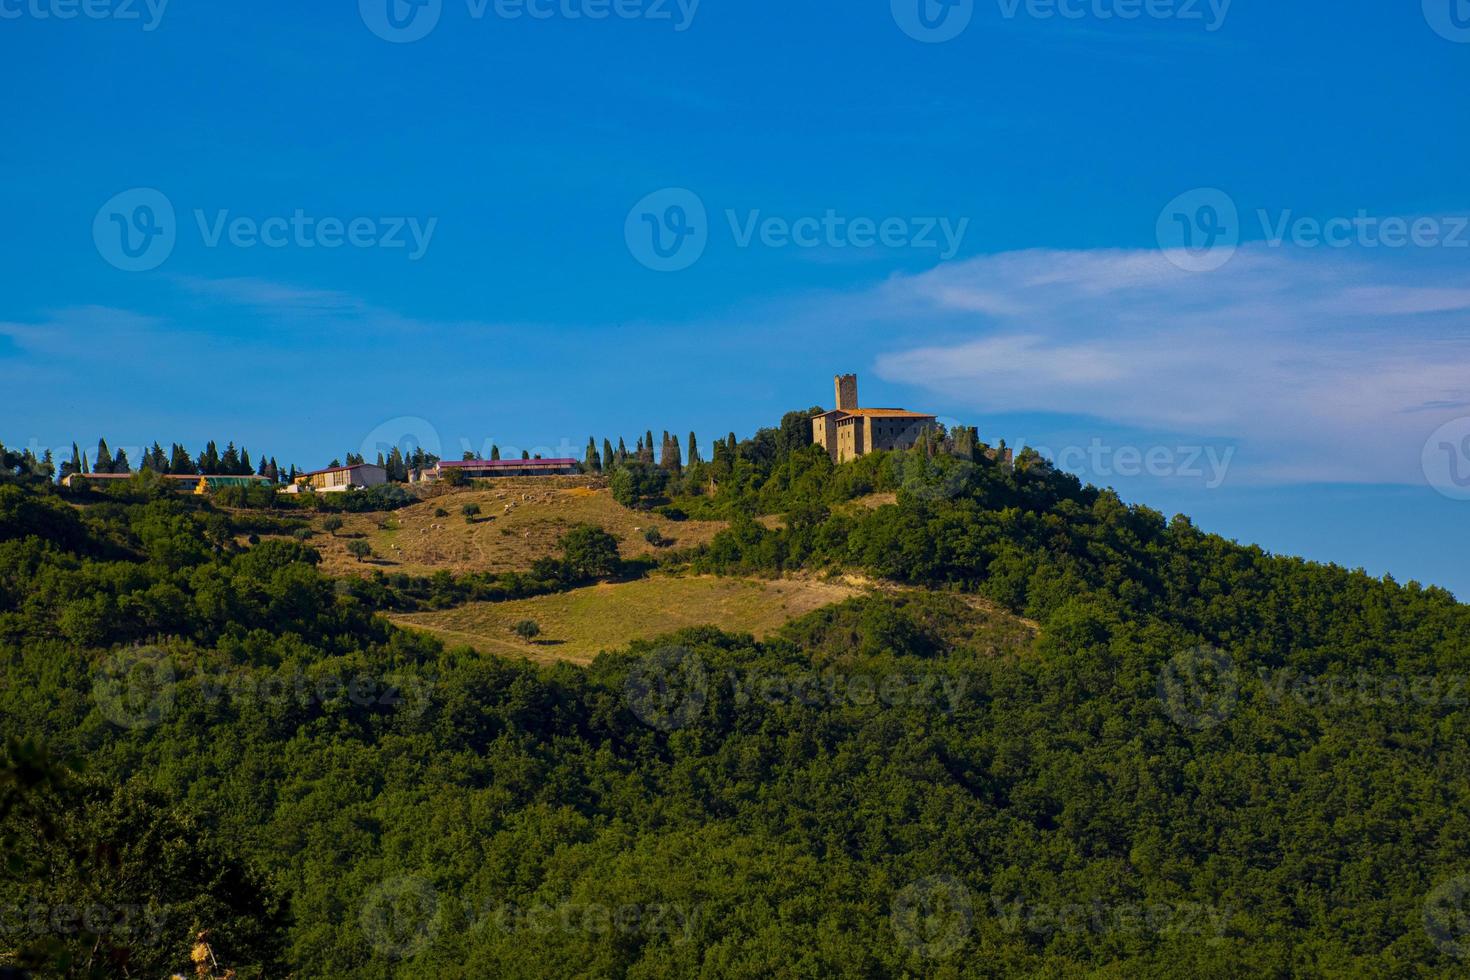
x=917 y=715
x=579 y=624
x=519 y=521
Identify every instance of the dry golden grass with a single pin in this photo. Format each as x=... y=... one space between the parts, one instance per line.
x=520 y=521
x=577 y=625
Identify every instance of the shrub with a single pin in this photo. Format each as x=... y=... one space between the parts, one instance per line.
x=359 y=549
x=528 y=629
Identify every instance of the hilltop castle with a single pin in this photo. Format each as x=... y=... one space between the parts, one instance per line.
x=848 y=432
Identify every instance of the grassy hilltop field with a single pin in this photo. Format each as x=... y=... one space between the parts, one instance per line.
x=931 y=713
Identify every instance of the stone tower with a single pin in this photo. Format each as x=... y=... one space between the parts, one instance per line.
x=846 y=385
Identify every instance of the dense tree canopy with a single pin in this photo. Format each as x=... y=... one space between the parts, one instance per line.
x=1201 y=759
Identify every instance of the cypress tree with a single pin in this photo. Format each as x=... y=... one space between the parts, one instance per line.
x=104 y=458
x=494 y=452
x=120 y=462
x=693 y=450
x=607 y=456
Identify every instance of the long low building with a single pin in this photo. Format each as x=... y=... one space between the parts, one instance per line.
x=197 y=482
x=335 y=479
x=490 y=469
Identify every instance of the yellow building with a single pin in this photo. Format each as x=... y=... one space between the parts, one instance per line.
x=848 y=431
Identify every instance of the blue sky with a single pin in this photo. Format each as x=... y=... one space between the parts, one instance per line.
x=1094 y=227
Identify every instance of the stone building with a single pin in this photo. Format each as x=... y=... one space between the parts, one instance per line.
x=848 y=431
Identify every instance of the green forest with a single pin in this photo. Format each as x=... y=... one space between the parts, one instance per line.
x=1206 y=760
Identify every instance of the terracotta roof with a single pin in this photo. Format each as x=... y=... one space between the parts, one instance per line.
x=503 y=464
x=879 y=413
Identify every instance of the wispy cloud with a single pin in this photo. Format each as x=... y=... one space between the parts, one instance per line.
x=1326 y=366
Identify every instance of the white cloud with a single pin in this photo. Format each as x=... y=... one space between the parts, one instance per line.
x=1325 y=367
